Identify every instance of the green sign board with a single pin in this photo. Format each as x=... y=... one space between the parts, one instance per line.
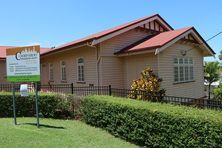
x=23 y=64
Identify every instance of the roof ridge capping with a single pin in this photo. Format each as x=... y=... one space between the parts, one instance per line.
x=99 y=35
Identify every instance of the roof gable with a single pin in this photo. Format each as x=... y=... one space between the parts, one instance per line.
x=163 y=40
x=192 y=32
x=155 y=41
x=109 y=33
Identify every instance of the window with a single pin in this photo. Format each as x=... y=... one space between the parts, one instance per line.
x=80 y=66
x=183 y=69
x=63 y=71
x=51 y=75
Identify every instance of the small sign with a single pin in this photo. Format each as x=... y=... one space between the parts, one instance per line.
x=23 y=64
x=24 y=90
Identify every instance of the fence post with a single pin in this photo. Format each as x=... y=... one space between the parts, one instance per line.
x=72 y=88
x=110 y=90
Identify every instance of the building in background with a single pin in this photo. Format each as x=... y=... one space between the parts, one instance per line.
x=117 y=56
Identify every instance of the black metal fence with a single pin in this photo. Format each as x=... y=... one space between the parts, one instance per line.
x=108 y=90
x=200 y=103
x=61 y=88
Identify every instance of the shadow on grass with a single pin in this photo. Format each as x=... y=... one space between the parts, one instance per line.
x=43 y=125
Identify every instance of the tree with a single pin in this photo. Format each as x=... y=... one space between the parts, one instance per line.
x=218 y=92
x=220 y=56
x=147 y=87
x=211 y=71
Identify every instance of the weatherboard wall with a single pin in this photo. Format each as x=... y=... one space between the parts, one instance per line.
x=134 y=64
x=112 y=66
x=194 y=89
x=3 y=72
x=70 y=57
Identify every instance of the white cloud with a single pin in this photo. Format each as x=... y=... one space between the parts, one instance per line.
x=32 y=44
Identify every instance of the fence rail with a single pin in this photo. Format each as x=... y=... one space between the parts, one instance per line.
x=108 y=90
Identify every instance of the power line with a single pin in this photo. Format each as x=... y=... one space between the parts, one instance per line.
x=214 y=36
x=206 y=40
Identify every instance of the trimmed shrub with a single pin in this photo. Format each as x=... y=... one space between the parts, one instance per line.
x=154 y=124
x=51 y=105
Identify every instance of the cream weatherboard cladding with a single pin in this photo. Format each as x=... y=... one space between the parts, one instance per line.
x=3 y=72
x=70 y=57
x=193 y=89
x=44 y=72
x=114 y=44
x=133 y=65
x=111 y=68
x=112 y=72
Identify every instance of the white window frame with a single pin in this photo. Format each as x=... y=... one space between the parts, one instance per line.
x=82 y=78
x=51 y=77
x=63 y=76
x=183 y=65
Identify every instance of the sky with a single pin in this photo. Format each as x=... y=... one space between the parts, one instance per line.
x=55 y=22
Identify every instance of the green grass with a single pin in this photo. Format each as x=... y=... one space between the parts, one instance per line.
x=55 y=133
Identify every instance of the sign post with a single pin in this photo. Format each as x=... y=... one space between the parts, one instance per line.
x=23 y=65
x=36 y=103
x=14 y=109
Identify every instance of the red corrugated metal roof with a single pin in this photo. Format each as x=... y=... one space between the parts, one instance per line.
x=156 y=41
x=106 y=32
x=3 y=51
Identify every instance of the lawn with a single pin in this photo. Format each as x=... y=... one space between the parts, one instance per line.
x=55 y=133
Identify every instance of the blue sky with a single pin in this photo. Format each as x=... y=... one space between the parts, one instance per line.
x=54 y=22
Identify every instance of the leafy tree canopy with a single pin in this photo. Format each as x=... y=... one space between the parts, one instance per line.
x=212 y=74
x=212 y=70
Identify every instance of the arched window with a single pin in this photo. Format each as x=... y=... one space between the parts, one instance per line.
x=80 y=66
x=51 y=74
x=63 y=70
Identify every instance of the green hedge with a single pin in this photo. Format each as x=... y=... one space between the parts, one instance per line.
x=50 y=105
x=154 y=124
